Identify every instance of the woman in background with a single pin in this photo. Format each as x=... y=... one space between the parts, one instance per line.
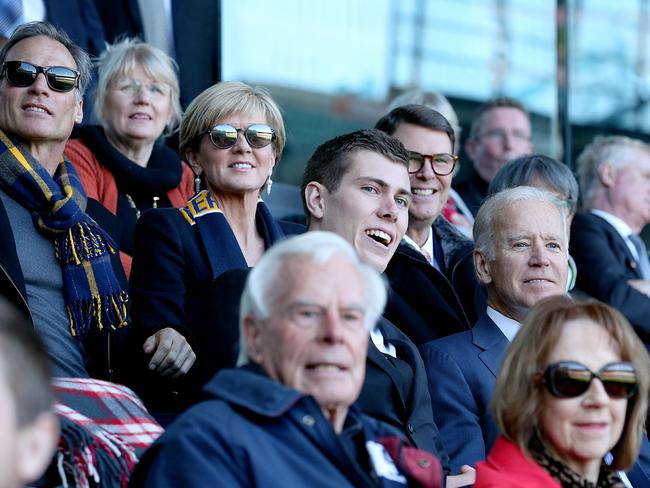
x=123 y=163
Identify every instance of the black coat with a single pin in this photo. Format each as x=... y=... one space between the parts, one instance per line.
x=605 y=265
x=425 y=303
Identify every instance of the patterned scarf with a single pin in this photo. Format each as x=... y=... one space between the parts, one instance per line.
x=566 y=476
x=93 y=296
x=219 y=241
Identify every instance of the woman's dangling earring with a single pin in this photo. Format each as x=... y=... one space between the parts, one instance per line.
x=197 y=184
x=269 y=184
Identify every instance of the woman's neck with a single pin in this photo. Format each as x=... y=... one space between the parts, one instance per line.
x=137 y=151
x=240 y=209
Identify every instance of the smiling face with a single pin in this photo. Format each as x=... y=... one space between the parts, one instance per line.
x=137 y=108
x=530 y=261
x=504 y=134
x=315 y=340
x=37 y=114
x=369 y=208
x=237 y=169
x=582 y=430
x=430 y=191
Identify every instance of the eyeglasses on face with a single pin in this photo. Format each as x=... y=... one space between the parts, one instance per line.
x=133 y=88
x=501 y=135
x=224 y=136
x=570 y=379
x=22 y=74
x=442 y=164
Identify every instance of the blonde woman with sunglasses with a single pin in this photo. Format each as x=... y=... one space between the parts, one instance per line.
x=232 y=136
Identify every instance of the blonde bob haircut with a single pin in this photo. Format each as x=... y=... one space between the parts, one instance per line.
x=518 y=396
x=225 y=99
x=120 y=59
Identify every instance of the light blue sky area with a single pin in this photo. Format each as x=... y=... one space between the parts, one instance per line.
x=468 y=49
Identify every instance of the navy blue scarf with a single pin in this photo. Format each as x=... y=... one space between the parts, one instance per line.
x=93 y=297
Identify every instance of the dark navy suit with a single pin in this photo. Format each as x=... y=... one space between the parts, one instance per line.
x=462 y=370
x=605 y=265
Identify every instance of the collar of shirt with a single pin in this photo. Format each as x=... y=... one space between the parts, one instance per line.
x=621 y=227
x=380 y=343
x=428 y=246
x=506 y=325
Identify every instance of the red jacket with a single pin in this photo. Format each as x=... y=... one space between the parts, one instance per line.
x=100 y=184
x=507 y=467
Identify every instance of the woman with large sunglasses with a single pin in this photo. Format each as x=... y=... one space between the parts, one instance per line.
x=232 y=135
x=570 y=400
x=123 y=162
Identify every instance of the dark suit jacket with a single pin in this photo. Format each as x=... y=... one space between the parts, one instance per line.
x=196 y=37
x=605 y=265
x=174 y=285
x=79 y=18
x=462 y=371
x=424 y=303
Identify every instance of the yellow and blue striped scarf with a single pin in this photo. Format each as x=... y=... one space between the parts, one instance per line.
x=92 y=293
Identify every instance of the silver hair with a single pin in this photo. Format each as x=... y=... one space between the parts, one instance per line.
x=484 y=228
x=263 y=283
x=121 y=58
x=35 y=29
x=611 y=149
x=535 y=169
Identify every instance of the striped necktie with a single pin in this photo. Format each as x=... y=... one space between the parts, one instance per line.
x=642 y=251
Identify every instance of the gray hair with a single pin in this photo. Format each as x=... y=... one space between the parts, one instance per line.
x=35 y=29
x=121 y=58
x=484 y=231
x=262 y=283
x=611 y=149
x=535 y=169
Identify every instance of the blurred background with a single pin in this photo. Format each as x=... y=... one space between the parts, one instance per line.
x=579 y=66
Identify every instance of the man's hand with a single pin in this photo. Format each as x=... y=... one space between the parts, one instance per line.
x=172 y=355
x=467 y=477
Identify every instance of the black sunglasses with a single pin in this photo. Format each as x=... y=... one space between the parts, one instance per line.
x=569 y=379
x=22 y=73
x=442 y=164
x=257 y=135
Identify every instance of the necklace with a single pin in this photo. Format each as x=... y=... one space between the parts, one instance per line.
x=154 y=204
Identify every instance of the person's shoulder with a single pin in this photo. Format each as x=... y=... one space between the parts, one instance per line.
x=450 y=344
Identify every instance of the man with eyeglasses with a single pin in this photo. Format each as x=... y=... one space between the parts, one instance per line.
x=500 y=131
x=56 y=262
x=423 y=270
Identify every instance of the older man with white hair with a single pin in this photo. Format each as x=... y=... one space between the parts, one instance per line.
x=286 y=417
x=520 y=255
x=612 y=259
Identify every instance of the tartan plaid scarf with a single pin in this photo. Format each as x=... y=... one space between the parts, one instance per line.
x=93 y=296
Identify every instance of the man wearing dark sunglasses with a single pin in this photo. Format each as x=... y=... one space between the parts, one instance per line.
x=520 y=255
x=56 y=262
x=423 y=271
